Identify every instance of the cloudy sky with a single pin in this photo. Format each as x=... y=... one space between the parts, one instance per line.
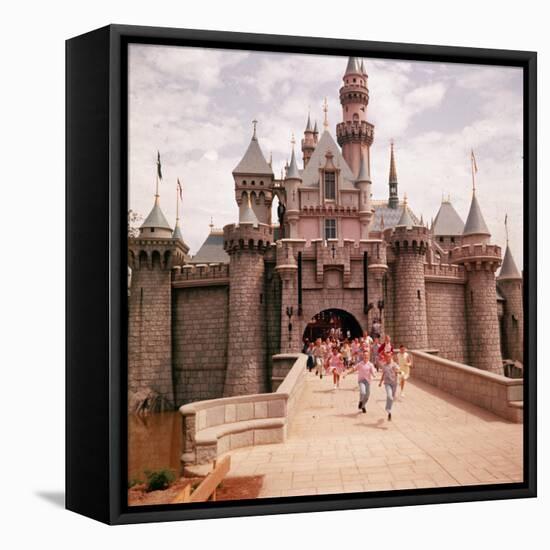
x=196 y=106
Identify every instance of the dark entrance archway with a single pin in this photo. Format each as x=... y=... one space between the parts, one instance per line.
x=330 y=322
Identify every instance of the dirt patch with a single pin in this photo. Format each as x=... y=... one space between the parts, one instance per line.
x=231 y=488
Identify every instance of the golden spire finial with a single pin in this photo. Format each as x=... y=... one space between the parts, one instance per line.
x=254 y=123
x=293 y=140
x=405 y=199
x=325 y=110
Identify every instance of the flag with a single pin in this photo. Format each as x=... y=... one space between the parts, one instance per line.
x=180 y=190
x=159 y=171
x=474 y=164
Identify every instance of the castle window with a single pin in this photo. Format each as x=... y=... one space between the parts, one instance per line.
x=330 y=229
x=355 y=80
x=441 y=239
x=253 y=182
x=261 y=183
x=152 y=229
x=452 y=239
x=330 y=186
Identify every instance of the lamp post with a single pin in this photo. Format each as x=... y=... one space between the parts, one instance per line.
x=289 y=314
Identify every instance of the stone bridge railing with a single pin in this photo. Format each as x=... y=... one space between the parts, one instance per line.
x=215 y=426
x=496 y=393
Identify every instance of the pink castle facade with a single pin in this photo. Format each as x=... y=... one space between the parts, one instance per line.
x=207 y=326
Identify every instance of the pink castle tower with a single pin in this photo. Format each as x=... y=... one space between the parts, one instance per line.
x=355 y=135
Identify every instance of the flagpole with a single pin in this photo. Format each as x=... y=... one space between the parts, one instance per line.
x=157 y=187
x=177 y=204
x=506 y=227
x=473 y=173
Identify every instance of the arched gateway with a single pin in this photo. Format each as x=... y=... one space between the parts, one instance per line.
x=332 y=322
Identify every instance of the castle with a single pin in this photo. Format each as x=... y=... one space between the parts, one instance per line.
x=207 y=326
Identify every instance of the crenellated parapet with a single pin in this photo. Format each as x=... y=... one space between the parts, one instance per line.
x=200 y=275
x=247 y=237
x=359 y=131
x=410 y=240
x=444 y=273
x=160 y=253
x=486 y=257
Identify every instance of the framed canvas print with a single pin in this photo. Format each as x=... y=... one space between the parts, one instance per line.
x=301 y=274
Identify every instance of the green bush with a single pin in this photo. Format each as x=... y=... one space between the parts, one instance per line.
x=134 y=482
x=159 y=479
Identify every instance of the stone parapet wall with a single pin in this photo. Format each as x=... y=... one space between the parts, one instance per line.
x=200 y=330
x=493 y=392
x=213 y=427
x=201 y=273
x=445 y=273
x=477 y=256
x=447 y=319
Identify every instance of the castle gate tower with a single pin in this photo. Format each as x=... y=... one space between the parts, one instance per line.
x=409 y=243
x=151 y=257
x=355 y=135
x=510 y=284
x=480 y=260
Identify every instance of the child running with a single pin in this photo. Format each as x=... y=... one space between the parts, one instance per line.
x=389 y=379
x=404 y=361
x=365 y=374
x=335 y=364
x=319 y=356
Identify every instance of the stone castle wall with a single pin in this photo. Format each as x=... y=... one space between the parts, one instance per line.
x=200 y=330
x=447 y=320
x=150 y=333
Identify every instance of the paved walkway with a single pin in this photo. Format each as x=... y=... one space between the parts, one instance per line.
x=433 y=440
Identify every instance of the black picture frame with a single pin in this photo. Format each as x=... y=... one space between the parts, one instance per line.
x=96 y=280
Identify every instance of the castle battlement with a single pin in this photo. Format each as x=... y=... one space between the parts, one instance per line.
x=359 y=130
x=476 y=256
x=199 y=272
x=410 y=239
x=444 y=273
x=247 y=236
x=147 y=253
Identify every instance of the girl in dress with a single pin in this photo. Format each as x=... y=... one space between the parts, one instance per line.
x=346 y=354
x=335 y=364
x=404 y=361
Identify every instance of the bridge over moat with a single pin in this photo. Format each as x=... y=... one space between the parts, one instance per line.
x=455 y=426
x=434 y=440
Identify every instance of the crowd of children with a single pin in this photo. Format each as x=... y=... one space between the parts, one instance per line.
x=367 y=356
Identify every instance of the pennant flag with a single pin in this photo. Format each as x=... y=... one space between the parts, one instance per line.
x=474 y=164
x=180 y=190
x=159 y=170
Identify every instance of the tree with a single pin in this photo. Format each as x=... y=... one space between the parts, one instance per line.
x=134 y=221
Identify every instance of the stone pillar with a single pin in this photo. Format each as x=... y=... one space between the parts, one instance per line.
x=409 y=245
x=480 y=262
x=246 y=349
x=512 y=290
x=287 y=268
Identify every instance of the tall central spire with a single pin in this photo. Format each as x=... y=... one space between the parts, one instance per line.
x=355 y=134
x=393 y=201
